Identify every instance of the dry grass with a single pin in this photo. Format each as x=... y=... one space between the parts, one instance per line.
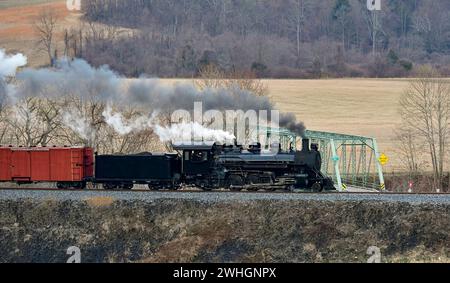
x=367 y=107
x=100 y=201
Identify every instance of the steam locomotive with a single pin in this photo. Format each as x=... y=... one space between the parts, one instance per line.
x=204 y=165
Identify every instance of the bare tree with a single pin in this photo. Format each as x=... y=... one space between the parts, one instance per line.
x=213 y=77
x=297 y=22
x=34 y=121
x=425 y=107
x=136 y=141
x=373 y=21
x=45 y=28
x=410 y=147
x=2 y=94
x=3 y=124
x=83 y=120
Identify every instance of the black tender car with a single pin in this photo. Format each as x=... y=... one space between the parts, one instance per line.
x=123 y=171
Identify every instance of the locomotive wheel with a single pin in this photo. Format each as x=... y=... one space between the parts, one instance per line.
x=155 y=188
x=109 y=187
x=317 y=187
x=128 y=186
x=206 y=189
x=71 y=185
x=253 y=180
x=235 y=183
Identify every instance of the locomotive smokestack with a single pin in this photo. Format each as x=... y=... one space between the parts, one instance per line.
x=305 y=145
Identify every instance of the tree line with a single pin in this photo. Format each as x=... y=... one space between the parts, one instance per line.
x=281 y=39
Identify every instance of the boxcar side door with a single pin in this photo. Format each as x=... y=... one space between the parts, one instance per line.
x=20 y=161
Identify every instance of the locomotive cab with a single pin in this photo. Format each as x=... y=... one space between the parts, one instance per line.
x=197 y=160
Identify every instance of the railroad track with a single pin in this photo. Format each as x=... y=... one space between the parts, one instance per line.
x=222 y=191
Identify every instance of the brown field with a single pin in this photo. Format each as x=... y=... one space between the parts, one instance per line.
x=18 y=3
x=367 y=107
x=17 y=19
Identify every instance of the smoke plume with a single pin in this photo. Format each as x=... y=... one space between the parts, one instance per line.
x=78 y=78
x=8 y=68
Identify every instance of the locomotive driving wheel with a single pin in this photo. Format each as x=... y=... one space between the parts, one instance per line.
x=317 y=187
x=128 y=186
x=253 y=180
x=235 y=183
x=109 y=186
x=155 y=187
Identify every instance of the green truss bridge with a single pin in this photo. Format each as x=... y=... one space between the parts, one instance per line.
x=352 y=161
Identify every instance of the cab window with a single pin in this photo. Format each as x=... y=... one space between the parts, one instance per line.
x=199 y=156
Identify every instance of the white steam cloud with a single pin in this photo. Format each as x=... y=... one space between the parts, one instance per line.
x=185 y=131
x=125 y=126
x=8 y=68
x=10 y=63
x=173 y=133
x=77 y=123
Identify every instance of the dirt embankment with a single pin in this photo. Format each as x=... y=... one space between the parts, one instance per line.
x=189 y=231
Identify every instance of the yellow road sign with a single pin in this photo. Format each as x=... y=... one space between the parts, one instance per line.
x=383 y=159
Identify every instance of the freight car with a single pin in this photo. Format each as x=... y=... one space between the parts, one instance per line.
x=204 y=165
x=67 y=167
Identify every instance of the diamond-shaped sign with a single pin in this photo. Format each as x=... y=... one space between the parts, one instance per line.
x=383 y=159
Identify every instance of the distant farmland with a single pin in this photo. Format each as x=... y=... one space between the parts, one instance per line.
x=367 y=107
x=15 y=3
x=17 y=19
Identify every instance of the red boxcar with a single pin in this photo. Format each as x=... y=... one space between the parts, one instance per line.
x=67 y=166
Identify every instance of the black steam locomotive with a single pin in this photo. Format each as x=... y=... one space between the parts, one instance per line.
x=212 y=166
